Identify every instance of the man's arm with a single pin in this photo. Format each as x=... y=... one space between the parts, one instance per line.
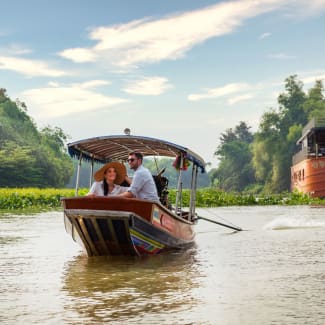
x=135 y=186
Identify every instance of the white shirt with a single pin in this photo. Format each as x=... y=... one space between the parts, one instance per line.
x=98 y=189
x=143 y=186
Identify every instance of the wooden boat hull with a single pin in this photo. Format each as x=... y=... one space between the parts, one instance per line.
x=120 y=226
x=308 y=176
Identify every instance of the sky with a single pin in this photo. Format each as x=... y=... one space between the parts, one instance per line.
x=184 y=71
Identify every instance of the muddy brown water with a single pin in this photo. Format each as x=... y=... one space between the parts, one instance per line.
x=271 y=273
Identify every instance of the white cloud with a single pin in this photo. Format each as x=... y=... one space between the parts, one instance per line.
x=171 y=37
x=281 y=56
x=302 y=9
x=79 y=55
x=265 y=35
x=148 y=86
x=53 y=84
x=83 y=85
x=240 y=98
x=29 y=68
x=146 y=40
x=93 y=84
x=311 y=78
x=14 y=49
x=50 y=102
x=220 y=91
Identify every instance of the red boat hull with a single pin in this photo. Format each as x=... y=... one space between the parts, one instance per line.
x=308 y=176
x=120 y=226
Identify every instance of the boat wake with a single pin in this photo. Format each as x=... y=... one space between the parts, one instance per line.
x=293 y=223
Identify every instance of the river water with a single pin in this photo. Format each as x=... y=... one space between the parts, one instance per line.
x=271 y=273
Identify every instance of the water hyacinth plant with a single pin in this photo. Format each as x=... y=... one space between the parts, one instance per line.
x=23 y=198
x=50 y=198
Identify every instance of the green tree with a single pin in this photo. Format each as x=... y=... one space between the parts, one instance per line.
x=235 y=171
x=291 y=104
x=314 y=106
x=29 y=157
x=18 y=166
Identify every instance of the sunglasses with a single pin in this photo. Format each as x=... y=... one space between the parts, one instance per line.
x=131 y=160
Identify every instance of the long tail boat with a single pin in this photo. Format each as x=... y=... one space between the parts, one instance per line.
x=115 y=225
x=308 y=164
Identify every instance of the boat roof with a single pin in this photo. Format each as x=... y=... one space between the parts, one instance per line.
x=117 y=147
x=316 y=124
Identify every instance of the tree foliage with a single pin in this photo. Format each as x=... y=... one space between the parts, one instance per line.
x=235 y=170
x=275 y=139
x=29 y=157
x=314 y=106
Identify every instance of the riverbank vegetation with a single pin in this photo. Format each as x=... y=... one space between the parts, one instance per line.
x=25 y=198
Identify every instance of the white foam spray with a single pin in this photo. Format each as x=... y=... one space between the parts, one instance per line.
x=284 y=223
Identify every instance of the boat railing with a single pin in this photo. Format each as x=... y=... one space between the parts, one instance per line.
x=307 y=153
x=320 y=122
x=300 y=156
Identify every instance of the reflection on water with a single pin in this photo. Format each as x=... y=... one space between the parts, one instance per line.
x=273 y=273
x=105 y=289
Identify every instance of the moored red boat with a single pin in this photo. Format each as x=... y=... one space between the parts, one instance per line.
x=308 y=164
x=115 y=225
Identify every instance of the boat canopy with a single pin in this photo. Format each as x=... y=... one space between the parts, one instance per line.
x=117 y=147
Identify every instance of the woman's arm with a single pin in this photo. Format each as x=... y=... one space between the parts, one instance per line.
x=95 y=190
x=127 y=194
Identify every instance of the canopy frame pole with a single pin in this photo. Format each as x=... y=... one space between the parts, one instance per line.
x=191 y=214
x=78 y=175
x=91 y=172
x=178 y=204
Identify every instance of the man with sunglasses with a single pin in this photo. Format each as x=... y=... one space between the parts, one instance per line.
x=143 y=185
